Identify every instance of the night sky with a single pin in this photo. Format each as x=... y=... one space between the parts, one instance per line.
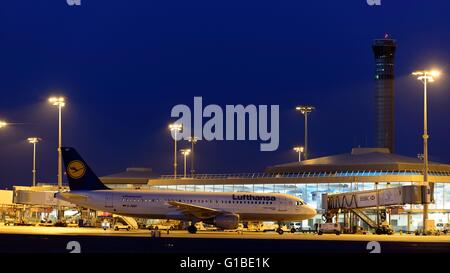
x=122 y=65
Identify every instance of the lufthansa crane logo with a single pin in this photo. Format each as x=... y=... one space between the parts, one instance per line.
x=76 y=169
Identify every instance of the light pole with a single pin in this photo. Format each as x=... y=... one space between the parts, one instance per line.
x=34 y=141
x=175 y=128
x=185 y=153
x=193 y=141
x=299 y=150
x=60 y=103
x=425 y=76
x=305 y=110
x=3 y=124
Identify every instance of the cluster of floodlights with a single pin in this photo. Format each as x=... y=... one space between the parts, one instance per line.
x=60 y=103
x=175 y=128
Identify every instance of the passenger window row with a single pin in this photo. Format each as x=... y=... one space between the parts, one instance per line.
x=200 y=201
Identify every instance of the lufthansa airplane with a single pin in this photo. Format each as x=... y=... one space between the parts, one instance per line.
x=224 y=210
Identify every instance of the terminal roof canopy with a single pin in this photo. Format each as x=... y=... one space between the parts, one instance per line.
x=360 y=159
x=130 y=176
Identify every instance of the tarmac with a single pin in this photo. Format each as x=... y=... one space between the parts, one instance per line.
x=19 y=239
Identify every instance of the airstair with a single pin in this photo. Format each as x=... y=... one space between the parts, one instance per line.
x=365 y=218
x=128 y=220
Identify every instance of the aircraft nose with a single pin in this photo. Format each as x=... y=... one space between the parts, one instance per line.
x=312 y=211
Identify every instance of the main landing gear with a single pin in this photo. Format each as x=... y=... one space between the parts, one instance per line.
x=192 y=229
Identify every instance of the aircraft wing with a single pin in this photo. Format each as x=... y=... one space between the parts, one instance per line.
x=196 y=211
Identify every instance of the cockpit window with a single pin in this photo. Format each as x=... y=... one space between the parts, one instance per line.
x=299 y=203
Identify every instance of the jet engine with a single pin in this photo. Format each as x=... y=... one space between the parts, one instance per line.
x=224 y=221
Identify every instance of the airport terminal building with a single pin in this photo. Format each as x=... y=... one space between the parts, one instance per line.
x=361 y=169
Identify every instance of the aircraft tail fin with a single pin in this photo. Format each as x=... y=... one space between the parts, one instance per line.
x=79 y=174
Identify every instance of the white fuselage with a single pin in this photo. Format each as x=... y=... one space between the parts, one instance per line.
x=154 y=204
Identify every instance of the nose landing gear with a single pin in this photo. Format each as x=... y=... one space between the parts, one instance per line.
x=192 y=229
x=279 y=229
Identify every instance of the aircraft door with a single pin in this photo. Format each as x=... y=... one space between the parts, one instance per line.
x=109 y=200
x=282 y=205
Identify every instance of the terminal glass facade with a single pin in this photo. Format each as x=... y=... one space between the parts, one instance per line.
x=311 y=193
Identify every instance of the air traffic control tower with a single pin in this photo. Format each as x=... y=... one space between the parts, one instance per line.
x=384 y=51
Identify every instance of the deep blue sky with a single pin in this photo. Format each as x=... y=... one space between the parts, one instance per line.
x=123 y=64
